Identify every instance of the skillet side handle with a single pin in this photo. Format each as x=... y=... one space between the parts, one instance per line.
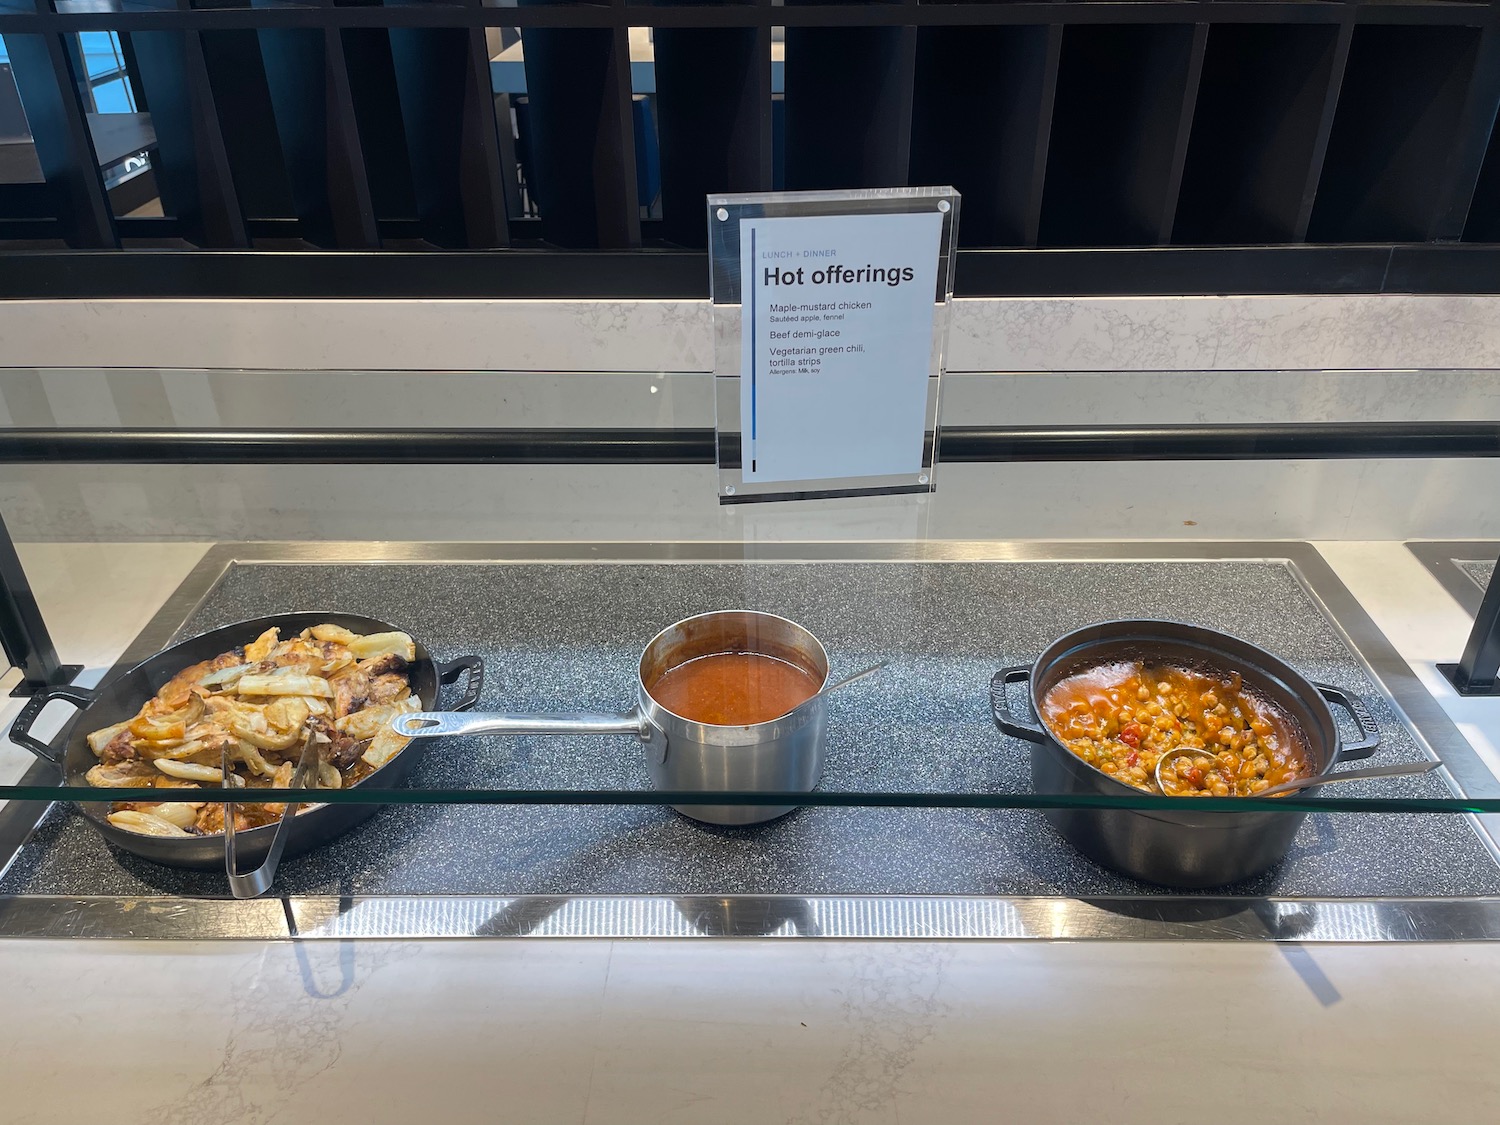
x=1005 y=718
x=20 y=730
x=448 y=673
x=1369 y=729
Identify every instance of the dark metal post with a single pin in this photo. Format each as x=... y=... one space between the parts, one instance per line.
x=28 y=645
x=1475 y=672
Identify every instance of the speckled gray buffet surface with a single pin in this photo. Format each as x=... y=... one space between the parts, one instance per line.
x=560 y=637
x=1479 y=570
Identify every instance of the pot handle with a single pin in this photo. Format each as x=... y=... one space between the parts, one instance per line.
x=431 y=724
x=20 y=730
x=1006 y=719
x=448 y=673
x=1369 y=729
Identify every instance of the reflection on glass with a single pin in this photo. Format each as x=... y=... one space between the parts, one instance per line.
x=122 y=134
x=13 y=128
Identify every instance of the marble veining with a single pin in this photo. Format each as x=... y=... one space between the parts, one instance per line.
x=892 y=1003
x=270 y=1052
x=1229 y=333
x=596 y=1033
x=428 y=335
x=1225 y=333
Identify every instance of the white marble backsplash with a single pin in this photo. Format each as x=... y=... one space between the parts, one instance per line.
x=437 y=335
x=1225 y=333
x=352 y=364
x=988 y=334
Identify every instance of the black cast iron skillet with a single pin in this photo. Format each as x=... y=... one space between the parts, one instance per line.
x=122 y=697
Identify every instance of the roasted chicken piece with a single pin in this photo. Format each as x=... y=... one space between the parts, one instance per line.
x=175 y=692
x=381 y=679
x=122 y=775
x=341 y=750
x=210 y=820
x=121 y=748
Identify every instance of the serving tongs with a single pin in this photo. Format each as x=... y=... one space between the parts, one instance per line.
x=252 y=884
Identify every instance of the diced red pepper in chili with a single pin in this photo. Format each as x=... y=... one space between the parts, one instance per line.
x=1123 y=717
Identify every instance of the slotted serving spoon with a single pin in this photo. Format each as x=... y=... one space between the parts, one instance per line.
x=1400 y=769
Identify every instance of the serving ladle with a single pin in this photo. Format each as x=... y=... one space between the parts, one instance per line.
x=1399 y=769
x=829 y=689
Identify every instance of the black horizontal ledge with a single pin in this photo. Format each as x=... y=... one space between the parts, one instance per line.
x=664 y=273
x=623 y=446
x=15 y=19
x=619 y=446
x=1238 y=442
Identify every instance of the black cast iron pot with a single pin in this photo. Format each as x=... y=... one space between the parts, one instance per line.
x=1187 y=849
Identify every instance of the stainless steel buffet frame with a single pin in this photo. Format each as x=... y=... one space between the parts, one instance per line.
x=1441 y=558
x=896 y=917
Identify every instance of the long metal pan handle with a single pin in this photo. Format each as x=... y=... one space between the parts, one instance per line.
x=429 y=724
x=20 y=730
x=251 y=884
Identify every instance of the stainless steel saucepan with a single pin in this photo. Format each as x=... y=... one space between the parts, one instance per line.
x=781 y=756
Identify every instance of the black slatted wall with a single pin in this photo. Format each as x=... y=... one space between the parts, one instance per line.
x=363 y=125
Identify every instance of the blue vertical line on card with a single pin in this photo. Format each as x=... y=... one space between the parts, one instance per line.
x=752 y=348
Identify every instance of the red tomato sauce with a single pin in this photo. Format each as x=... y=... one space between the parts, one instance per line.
x=731 y=689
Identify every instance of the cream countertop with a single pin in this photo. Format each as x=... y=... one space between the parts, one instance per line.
x=752 y=1032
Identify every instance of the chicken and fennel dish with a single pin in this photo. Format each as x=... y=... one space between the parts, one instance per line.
x=259 y=705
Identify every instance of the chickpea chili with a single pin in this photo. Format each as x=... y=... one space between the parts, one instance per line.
x=1123 y=717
